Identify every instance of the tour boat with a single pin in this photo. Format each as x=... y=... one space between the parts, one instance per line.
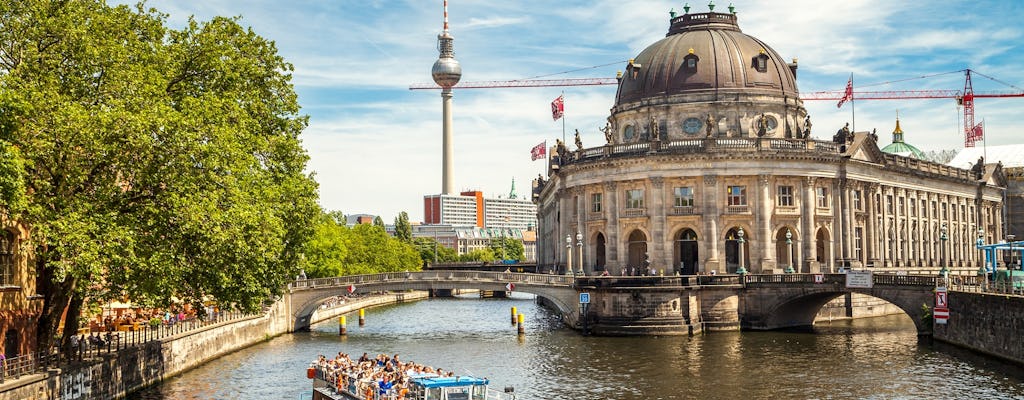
x=421 y=387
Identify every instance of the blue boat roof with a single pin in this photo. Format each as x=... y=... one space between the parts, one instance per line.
x=448 y=381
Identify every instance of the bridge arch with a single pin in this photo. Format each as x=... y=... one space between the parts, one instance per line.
x=779 y=305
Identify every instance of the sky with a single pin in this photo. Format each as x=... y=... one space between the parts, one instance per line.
x=375 y=145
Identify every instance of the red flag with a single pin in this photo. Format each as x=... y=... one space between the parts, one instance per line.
x=510 y=287
x=539 y=151
x=848 y=94
x=558 y=107
x=977 y=133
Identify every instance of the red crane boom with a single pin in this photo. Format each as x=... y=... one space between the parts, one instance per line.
x=964 y=97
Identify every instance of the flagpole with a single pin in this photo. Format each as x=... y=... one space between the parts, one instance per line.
x=547 y=158
x=562 y=96
x=984 y=141
x=853 y=107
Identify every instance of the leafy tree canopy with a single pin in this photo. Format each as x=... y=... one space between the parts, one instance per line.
x=154 y=162
x=337 y=250
x=403 y=230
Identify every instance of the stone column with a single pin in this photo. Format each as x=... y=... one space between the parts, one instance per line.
x=884 y=227
x=611 y=212
x=656 y=216
x=581 y=226
x=565 y=227
x=712 y=212
x=765 y=219
x=870 y=229
x=808 y=222
x=850 y=223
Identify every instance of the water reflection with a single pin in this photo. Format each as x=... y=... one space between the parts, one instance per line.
x=874 y=358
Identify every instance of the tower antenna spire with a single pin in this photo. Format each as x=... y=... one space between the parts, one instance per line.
x=446 y=15
x=446 y=73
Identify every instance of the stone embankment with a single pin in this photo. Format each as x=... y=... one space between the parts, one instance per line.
x=114 y=375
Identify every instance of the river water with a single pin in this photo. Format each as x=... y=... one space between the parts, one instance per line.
x=877 y=358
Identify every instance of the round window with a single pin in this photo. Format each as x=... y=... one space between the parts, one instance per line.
x=692 y=125
x=628 y=132
x=771 y=122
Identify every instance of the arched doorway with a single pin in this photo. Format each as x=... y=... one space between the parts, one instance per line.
x=637 y=249
x=822 y=248
x=600 y=260
x=784 y=251
x=685 y=252
x=732 y=250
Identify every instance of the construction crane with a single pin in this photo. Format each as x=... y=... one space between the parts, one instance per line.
x=963 y=97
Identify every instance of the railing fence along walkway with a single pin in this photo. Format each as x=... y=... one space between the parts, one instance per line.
x=87 y=346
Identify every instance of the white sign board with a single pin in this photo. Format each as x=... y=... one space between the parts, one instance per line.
x=941 y=315
x=859 y=279
x=940 y=298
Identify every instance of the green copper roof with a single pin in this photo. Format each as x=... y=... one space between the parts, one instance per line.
x=899 y=147
x=903 y=149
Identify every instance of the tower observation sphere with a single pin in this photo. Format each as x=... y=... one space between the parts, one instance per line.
x=446 y=71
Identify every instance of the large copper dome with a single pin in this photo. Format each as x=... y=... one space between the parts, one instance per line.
x=706 y=52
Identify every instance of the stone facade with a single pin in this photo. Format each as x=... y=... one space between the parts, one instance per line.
x=708 y=167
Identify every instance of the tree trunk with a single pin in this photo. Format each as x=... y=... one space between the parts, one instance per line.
x=56 y=298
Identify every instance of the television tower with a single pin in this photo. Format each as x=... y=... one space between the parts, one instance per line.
x=446 y=73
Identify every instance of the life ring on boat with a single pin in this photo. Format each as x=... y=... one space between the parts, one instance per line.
x=956 y=280
x=369 y=393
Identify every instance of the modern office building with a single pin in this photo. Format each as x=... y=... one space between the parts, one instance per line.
x=471 y=208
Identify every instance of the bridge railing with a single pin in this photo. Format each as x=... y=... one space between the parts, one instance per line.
x=440 y=275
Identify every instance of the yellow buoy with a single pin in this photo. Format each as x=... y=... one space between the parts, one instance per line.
x=362 y=317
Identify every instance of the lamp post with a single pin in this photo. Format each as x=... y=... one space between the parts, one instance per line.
x=943 y=237
x=568 y=254
x=579 y=249
x=1010 y=265
x=983 y=269
x=789 y=245
x=740 y=241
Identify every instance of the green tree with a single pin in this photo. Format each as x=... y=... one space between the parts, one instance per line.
x=507 y=248
x=403 y=230
x=156 y=163
x=377 y=221
x=486 y=255
x=428 y=247
x=337 y=250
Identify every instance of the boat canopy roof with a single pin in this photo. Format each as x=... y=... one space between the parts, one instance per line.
x=448 y=381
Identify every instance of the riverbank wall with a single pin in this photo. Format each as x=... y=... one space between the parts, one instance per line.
x=986 y=323
x=115 y=375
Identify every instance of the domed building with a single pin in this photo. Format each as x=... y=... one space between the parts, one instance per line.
x=901 y=148
x=711 y=166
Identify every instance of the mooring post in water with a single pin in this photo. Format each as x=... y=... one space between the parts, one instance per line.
x=342 y=330
x=513 y=315
x=521 y=328
x=362 y=317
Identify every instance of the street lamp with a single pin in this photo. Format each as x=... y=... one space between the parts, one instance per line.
x=983 y=269
x=740 y=241
x=789 y=245
x=944 y=272
x=568 y=253
x=579 y=247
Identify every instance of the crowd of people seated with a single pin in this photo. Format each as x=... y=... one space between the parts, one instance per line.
x=379 y=377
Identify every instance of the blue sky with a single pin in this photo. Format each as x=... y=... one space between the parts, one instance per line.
x=375 y=146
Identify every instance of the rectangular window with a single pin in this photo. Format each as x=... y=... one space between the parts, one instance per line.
x=635 y=198
x=888 y=203
x=963 y=212
x=595 y=202
x=6 y=259
x=935 y=209
x=945 y=212
x=858 y=235
x=737 y=195
x=903 y=206
x=857 y=203
x=924 y=208
x=785 y=194
x=822 y=197
x=684 y=197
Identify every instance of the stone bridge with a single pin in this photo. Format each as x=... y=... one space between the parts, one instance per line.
x=648 y=305
x=307 y=295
